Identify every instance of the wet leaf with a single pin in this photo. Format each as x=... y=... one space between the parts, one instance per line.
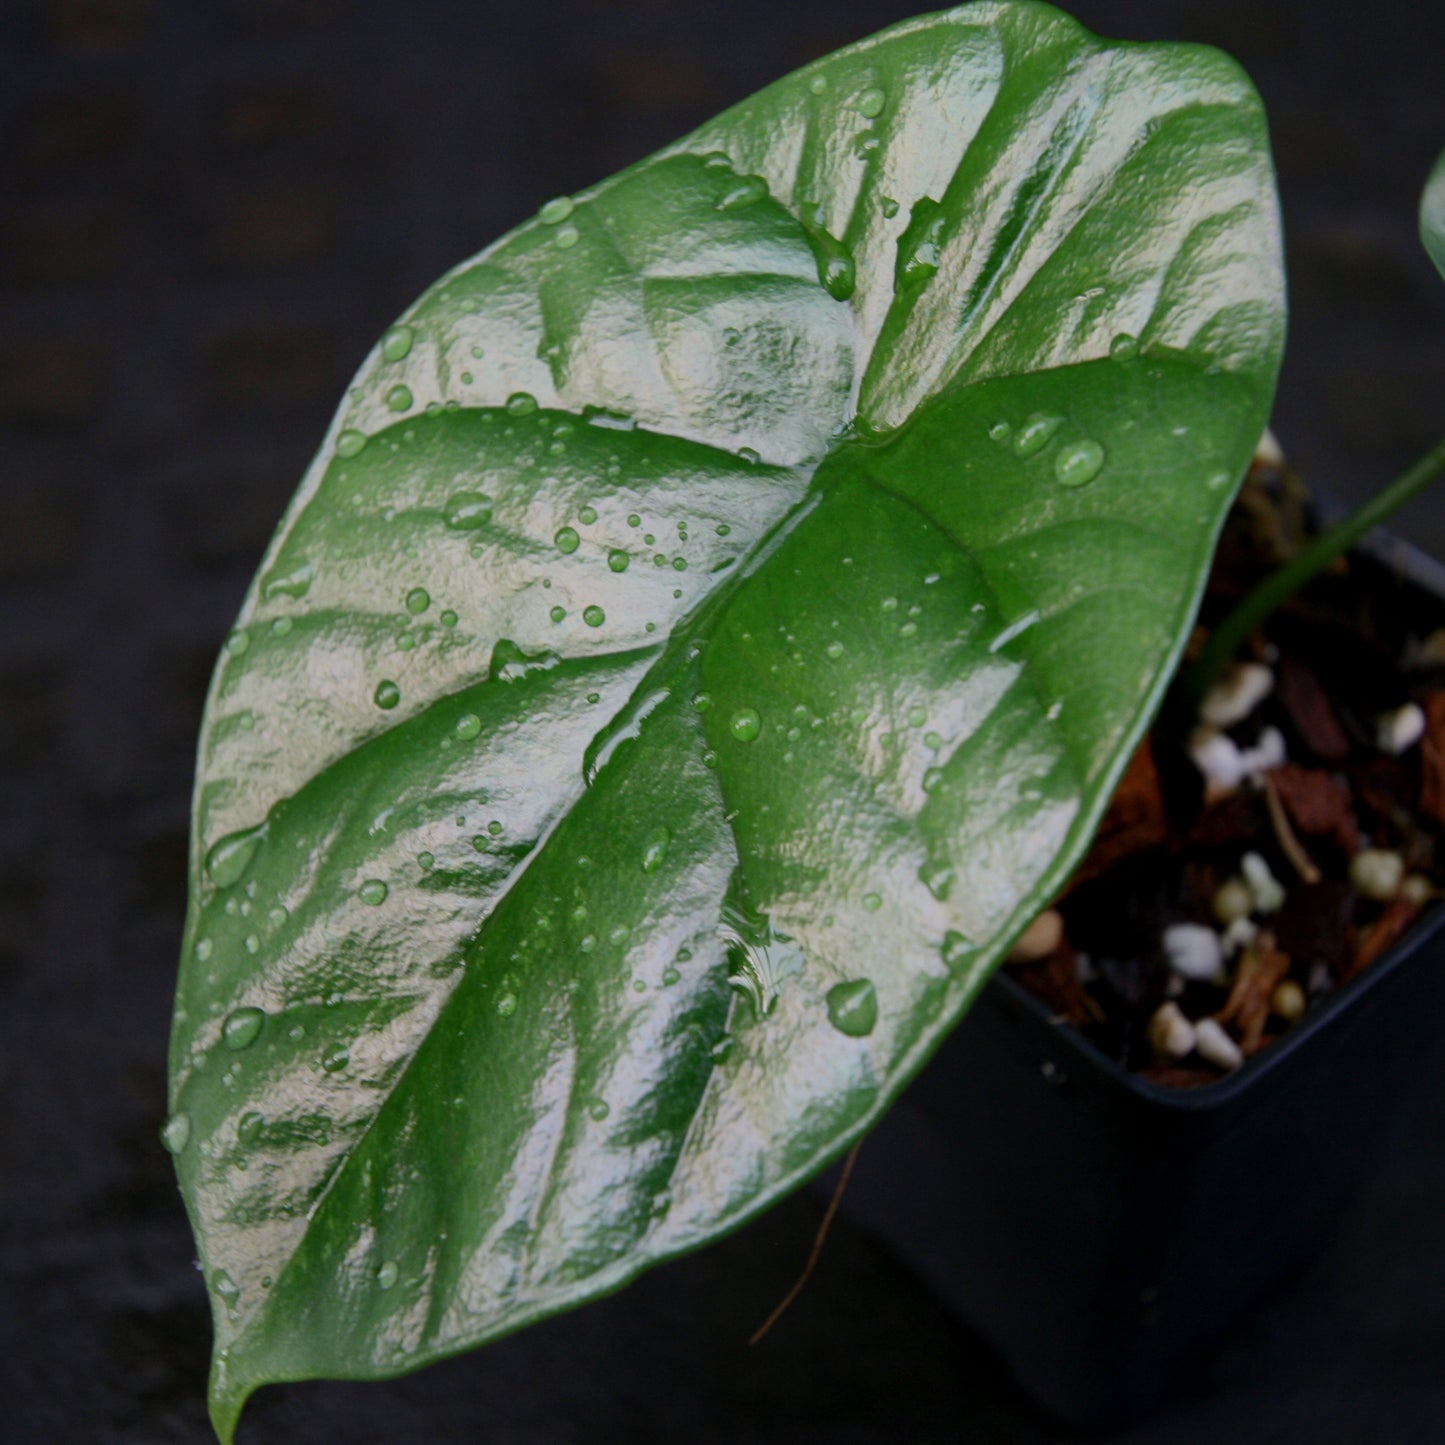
x=713 y=625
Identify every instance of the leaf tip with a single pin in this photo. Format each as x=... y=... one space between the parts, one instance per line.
x=226 y=1400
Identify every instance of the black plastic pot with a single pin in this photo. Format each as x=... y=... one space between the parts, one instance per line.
x=1102 y=1231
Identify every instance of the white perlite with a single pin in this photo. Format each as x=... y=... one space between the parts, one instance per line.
x=1288 y=1000
x=1226 y=765
x=1268 y=752
x=1268 y=891
x=1417 y=889
x=1215 y=1045
x=1233 y=900
x=1240 y=934
x=1268 y=450
x=1170 y=1033
x=1217 y=757
x=1193 y=950
x=1236 y=694
x=1040 y=938
x=1397 y=732
x=1377 y=873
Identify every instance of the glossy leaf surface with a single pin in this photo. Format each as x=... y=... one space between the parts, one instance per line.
x=1432 y=214
x=709 y=633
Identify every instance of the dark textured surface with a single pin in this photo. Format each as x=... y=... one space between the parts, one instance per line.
x=207 y=213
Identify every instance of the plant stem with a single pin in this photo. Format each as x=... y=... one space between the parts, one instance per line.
x=1279 y=586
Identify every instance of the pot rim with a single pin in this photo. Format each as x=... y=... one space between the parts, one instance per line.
x=1226 y=1088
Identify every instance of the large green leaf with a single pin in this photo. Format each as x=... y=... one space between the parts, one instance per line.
x=710 y=630
x=1432 y=214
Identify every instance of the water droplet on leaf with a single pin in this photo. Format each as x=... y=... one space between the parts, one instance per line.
x=295 y=583
x=920 y=244
x=372 y=892
x=509 y=662
x=1078 y=463
x=837 y=271
x=745 y=724
x=226 y=1288
x=242 y=1028
x=938 y=879
x=748 y=191
x=1034 y=435
x=396 y=344
x=229 y=859
x=853 y=1007
x=956 y=950
x=654 y=850
x=466 y=511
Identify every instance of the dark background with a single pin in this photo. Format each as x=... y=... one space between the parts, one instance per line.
x=208 y=211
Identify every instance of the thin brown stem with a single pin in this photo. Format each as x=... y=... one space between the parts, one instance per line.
x=1286 y=837
x=817 y=1249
